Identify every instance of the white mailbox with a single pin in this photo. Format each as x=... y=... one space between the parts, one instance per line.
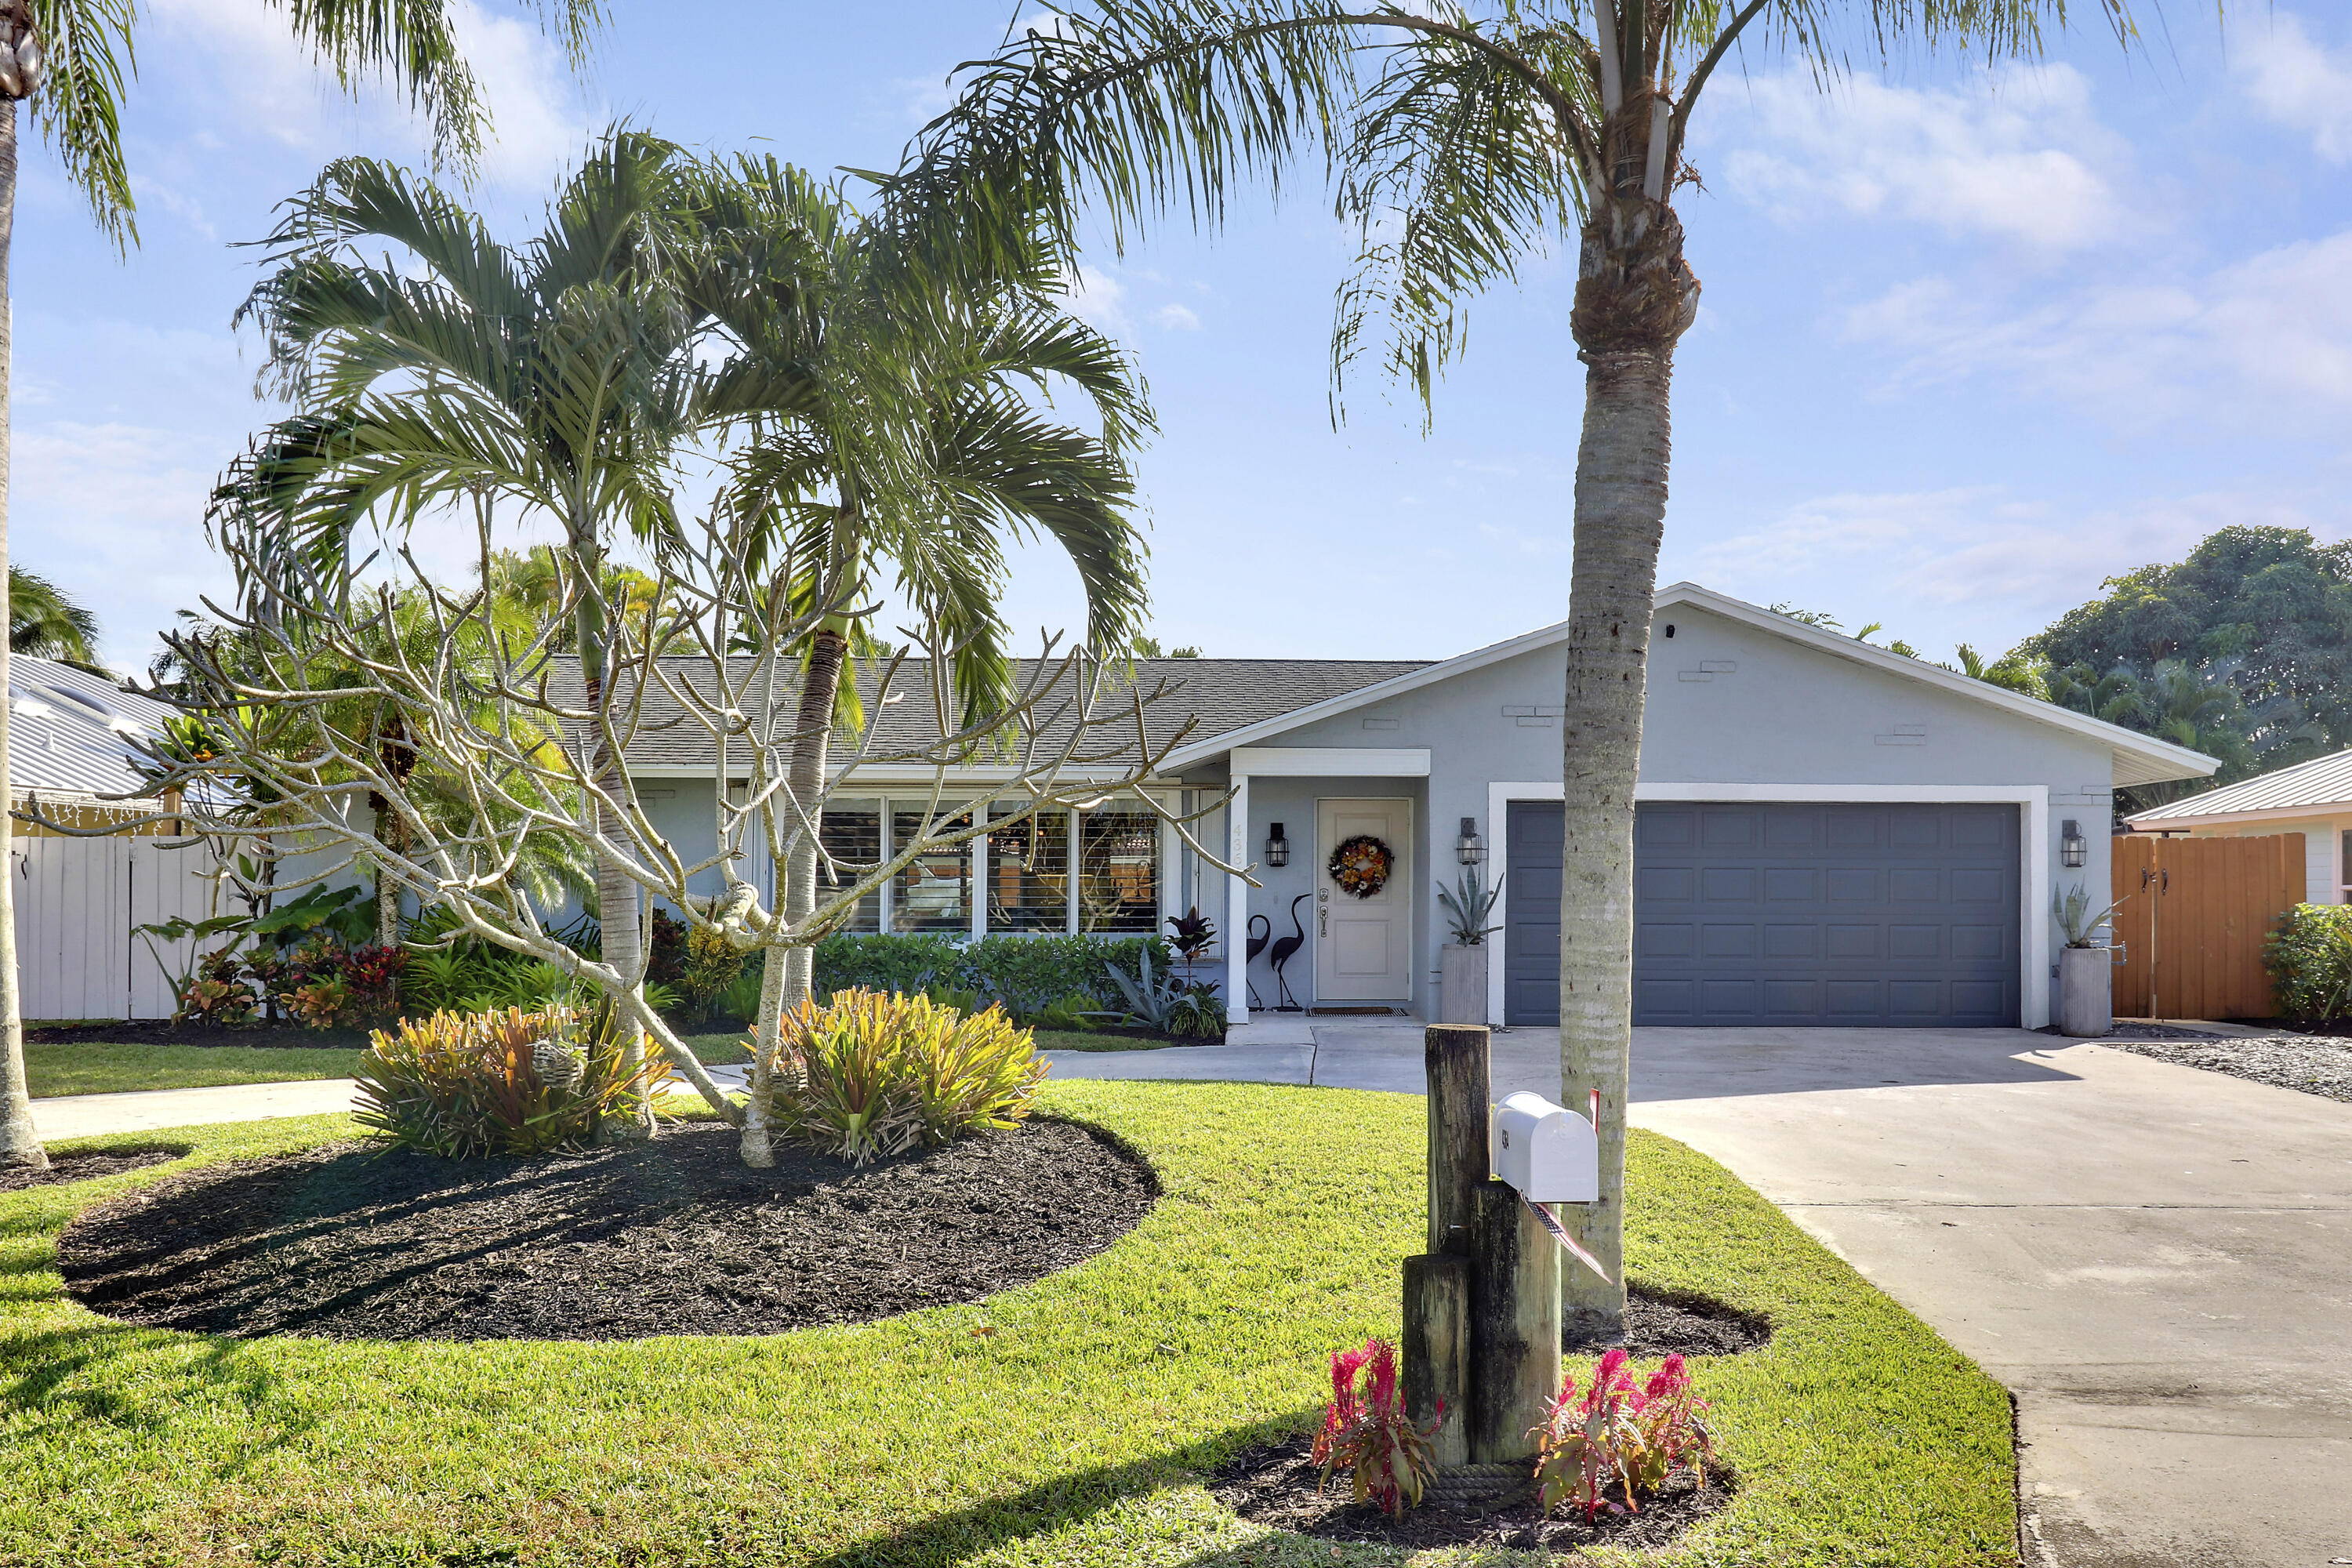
x=1550 y=1155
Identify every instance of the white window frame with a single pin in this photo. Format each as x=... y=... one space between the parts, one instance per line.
x=2033 y=850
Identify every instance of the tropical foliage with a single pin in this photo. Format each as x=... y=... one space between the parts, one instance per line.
x=462 y=1085
x=2309 y=958
x=44 y=623
x=867 y=1075
x=1629 y=1436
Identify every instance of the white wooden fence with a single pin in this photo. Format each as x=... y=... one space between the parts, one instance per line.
x=77 y=900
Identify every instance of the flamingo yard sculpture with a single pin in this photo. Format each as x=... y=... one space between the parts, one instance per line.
x=1283 y=950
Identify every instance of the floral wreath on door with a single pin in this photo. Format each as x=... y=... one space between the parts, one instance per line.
x=1361 y=865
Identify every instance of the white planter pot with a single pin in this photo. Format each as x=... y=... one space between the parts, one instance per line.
x=1461 y=985
x=2087 y=978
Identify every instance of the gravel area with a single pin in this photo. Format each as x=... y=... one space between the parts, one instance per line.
x=2315 y=1064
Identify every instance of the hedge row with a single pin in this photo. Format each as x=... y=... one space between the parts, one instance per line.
x=1027 y=974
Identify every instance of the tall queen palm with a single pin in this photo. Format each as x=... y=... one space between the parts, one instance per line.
x=64 y=60
x=1462 y=141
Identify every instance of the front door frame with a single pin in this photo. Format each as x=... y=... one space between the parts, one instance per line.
x=1324 y=901
x=2033 y=846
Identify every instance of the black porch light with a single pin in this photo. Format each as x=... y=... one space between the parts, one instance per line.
x=1469 y=848
x=1278 y=848
x=2073 y=850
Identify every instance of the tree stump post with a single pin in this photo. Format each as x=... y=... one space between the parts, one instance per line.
x=1437 y=1286
x=1513 y=1373
x=1459 y=1060
x=1437 y=1352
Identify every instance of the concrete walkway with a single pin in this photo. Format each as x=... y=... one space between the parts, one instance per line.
x=2155 y=1260
x=89 y=1115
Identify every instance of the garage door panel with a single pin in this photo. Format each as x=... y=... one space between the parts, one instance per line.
x=1791 y=913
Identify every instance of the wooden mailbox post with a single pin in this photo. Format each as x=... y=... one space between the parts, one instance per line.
x=1482 y=1306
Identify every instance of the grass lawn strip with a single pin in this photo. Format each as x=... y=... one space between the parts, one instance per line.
x=79 y=1067
x=1072 y=1433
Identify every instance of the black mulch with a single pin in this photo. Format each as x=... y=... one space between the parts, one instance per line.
x=1274 y=1484
x=2129 y=1029
x=675 y=1237
x=163 y=1032
x=84 y=1167
x=1663 y=1324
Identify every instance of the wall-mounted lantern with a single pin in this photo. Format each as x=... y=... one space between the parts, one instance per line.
x=2073 y=850
x=1278 y=848
x=1469 y=848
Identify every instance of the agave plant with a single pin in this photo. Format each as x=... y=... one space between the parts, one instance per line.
x=1467 y=904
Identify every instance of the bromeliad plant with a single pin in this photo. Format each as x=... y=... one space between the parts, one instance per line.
x=1624 y=1434
x=1367 y=1433
x=867 y=1074
x=462 y=1085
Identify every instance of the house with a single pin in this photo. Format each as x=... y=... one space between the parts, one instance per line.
x=1827 y=832
x=2313 y=798
x=70 y=736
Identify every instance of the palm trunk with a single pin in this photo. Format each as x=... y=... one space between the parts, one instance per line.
x=1635 y=299
x=20 y=1146
x=617 y=904
x=812 y=742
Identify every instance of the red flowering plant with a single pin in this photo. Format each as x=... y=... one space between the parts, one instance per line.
x=1634 y=1436
x=1367 y=1432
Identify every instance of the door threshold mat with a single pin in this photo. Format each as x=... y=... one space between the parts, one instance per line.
x=1351 y=1012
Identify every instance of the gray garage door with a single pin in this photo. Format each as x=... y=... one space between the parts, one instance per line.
x=1838 y=914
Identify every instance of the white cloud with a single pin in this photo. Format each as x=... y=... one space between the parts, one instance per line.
x=2298 y=82
x=2265 y=343
x=1177 y=317
x=1098 y=299
x=2025 y=160
x=276 y=89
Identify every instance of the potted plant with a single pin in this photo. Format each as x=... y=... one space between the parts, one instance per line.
x=1462 y=963
x=2085 y=968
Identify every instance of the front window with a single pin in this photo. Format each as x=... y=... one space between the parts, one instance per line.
x=1029 y=873
x=934 y=891
x=1118 y=871
x=852 y=836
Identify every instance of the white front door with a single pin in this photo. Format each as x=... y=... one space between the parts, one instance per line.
x=1363 y=946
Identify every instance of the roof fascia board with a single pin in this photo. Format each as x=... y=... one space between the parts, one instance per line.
x=2149 y=822
x=1330 y=762
x=2192 y=765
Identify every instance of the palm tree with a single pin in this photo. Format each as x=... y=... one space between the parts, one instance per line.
x=65 y=59
x=935 y=498
x=44 y=624
x=1460 y=146
x=556 y=377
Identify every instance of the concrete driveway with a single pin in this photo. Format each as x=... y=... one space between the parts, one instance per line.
x=2155 y=1260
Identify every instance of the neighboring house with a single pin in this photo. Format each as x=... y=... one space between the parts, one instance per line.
x=2313 y=798
x=69 y=735
x=1827 y=832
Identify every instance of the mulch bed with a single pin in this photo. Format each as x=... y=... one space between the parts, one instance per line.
x=1275 y=1483
x=163 y=1032
x=675 y=1237
x=84 y=1167
x=2309 y=1064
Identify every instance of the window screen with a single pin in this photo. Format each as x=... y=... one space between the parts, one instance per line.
x=852 y=836
x=1029 y=873
x=934 y=893
x=1119 y=871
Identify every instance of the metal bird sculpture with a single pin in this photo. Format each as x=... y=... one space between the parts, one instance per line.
x=1251 y=949
x=1285 y=1002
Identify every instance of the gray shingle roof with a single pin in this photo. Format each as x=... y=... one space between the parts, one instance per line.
x=1221 y=694
x=2324 y=781
x=66 y=731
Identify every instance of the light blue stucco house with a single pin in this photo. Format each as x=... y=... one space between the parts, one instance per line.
x=1826 y=832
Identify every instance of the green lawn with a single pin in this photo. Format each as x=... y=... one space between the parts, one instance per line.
x=1074 y=1434
x=89 y=1069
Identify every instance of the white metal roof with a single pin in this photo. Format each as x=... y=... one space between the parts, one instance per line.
x=70 y=730
x=2322 y=782
x=2138 y=759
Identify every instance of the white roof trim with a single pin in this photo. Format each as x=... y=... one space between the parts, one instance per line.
x=2138 y=758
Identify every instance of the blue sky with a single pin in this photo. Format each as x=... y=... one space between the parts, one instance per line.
x=1972 y=339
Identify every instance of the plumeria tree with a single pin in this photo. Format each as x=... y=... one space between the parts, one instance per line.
x=68 y=62
x=522 y=745
x=1461 y=142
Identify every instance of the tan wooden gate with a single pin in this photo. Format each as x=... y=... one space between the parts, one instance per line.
x=2191 y=915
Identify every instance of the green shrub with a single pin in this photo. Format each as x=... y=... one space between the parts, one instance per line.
x=513 y=1082
x=1026 y=975
x=870 y=1073
x=2309 y=957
